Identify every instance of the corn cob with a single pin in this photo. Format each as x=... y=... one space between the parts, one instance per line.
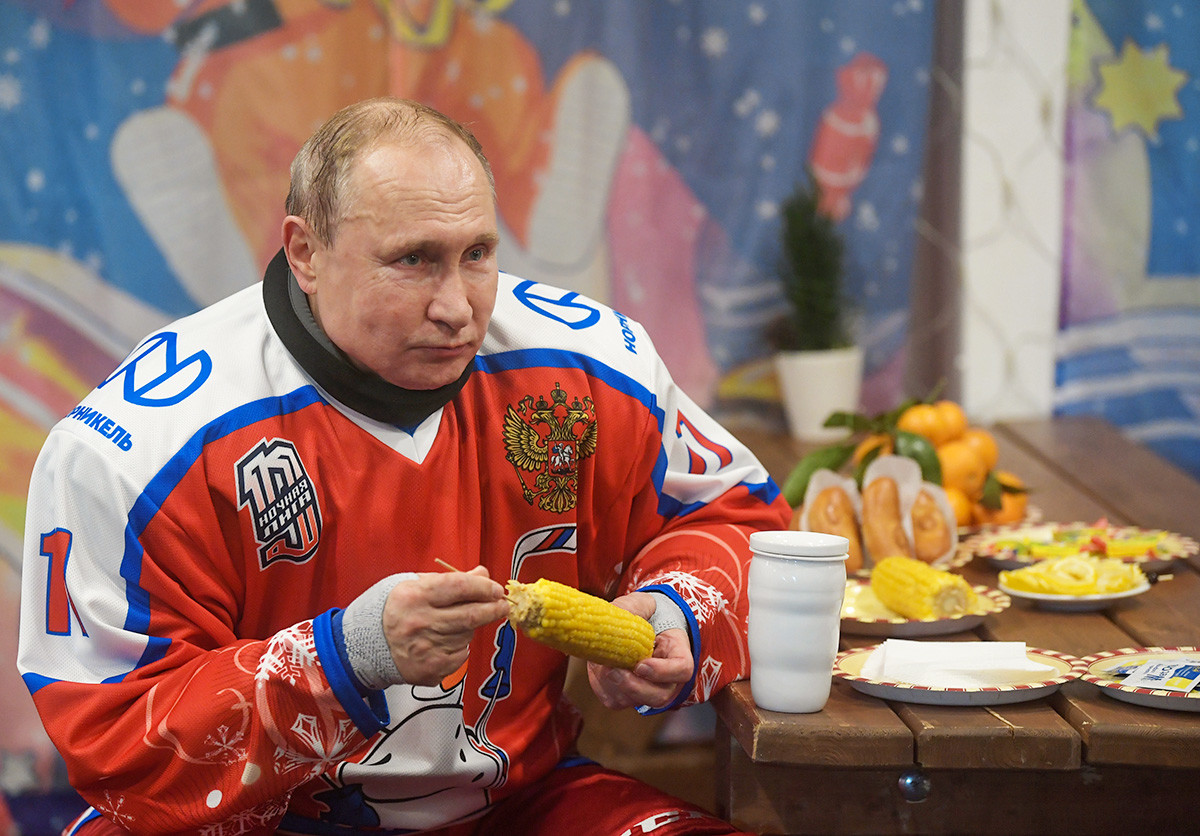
x=579 y=624
x=916 y=590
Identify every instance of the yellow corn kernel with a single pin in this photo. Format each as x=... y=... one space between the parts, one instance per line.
x=916 y=590
x=579 y=624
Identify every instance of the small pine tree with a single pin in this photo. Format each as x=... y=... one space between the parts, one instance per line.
x=811 y=272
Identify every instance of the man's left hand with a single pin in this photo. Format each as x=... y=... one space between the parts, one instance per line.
x=655 y=681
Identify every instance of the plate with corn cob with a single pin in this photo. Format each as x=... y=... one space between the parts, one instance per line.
x=1058 y=669
x=1013 y=548
x=905 y=598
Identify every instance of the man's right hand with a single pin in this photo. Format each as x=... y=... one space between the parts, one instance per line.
x=428 y=621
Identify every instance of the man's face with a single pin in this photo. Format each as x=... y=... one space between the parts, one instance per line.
x=407 y=286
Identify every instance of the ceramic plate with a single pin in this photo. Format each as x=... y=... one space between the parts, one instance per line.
x=849 y=663
x=1016 y=546
x=1074 y=603
x=865 y=615
x=1098 y=669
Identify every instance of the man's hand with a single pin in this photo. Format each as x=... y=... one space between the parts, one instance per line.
x=428 y=621
x=655 y=681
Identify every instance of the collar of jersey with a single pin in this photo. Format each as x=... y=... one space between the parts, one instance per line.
x=362 y=391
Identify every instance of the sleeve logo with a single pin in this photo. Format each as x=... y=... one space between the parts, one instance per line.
x=568 y=307
x=282 y=499
x=548 y=440
x=155 y=376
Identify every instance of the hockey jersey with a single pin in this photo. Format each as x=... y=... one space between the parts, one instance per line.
x=197 y=523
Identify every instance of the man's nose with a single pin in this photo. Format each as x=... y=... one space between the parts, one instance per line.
x=451 y=303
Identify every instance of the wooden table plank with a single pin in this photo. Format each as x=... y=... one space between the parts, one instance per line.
x=1130 y=479
x=1057 y=497
x=775 y=798
x=1116 y=732
x=852 y=730
x=1027 y=735
x=1168 y=615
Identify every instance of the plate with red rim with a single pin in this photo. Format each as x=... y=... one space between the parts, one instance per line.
x=865 y=615
x=848 y=666
x=1098 y=667
x=1012 y=547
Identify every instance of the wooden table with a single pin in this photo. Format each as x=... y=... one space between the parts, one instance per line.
x=1078 y=761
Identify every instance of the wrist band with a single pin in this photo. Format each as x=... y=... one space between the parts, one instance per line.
x=362 y=634
x=667 y=614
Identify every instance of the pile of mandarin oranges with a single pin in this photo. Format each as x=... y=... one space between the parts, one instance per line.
x=967 y=455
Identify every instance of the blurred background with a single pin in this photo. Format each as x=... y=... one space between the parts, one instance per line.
x=1017 y=185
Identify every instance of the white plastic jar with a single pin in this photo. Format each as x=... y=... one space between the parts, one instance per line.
x=797 y=582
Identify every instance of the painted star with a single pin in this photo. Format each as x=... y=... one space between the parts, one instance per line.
x=1139 y=89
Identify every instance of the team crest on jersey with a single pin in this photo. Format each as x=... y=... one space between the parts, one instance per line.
x=546 y=441
x=282 y=499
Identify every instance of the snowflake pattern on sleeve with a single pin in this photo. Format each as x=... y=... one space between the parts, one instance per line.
x=704 y=599
x=309 y=727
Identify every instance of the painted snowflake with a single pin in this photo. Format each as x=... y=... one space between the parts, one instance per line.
x=290 y=652
x=225 y=745
x=248 y=821
x=704 y=599
x=325 y=745
x=112 y=809
x=706 y=679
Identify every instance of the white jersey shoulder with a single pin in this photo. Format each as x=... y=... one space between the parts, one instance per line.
x=534 y=317
x=183 y=377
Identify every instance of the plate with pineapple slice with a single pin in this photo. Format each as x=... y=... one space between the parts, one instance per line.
x=1153 y=550
x=1075 y=583
x=906 y=598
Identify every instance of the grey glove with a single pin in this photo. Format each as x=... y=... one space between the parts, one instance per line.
x=667 y=613
x=362 y=633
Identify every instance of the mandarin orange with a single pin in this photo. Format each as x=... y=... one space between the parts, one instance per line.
x=984 y=443
x=921 y=419
x=962 y=467
x=952 y=421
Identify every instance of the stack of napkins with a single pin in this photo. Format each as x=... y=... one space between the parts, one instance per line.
x=953 y=664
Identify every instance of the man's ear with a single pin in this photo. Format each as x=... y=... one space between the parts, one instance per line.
x=300 y=246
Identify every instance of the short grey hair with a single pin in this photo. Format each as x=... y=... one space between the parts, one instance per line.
x=321 y=168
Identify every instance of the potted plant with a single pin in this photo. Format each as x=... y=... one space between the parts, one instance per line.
x=818 y=364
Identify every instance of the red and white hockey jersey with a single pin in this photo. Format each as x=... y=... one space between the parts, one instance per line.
x=196 y=525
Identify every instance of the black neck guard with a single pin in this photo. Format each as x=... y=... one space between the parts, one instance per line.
x=362 y=391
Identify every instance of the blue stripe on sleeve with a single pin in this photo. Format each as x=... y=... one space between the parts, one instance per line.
x=371 y=716
x=693 y=629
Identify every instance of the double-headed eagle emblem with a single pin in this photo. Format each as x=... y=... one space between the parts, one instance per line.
x=550 y=439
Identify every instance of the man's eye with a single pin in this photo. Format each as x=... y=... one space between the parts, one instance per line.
x=477 y=254
x=410 y=260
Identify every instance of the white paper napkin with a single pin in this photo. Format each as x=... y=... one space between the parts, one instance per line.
x=953 y=664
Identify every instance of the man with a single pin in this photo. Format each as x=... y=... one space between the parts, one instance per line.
x=235 y=614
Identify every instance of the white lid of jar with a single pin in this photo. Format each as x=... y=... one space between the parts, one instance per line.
x=799 y=544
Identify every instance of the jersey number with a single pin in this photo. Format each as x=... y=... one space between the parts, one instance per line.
x=56 y=547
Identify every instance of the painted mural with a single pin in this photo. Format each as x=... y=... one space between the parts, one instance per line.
x=641 y=151
x=1129 y=348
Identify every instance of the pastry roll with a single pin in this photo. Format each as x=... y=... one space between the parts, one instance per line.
x=883 y=528
x=932 y=537
x=832 y=512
